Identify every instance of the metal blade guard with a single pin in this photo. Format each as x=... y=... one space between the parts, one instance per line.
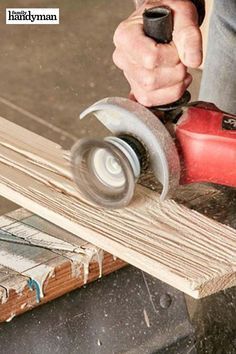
x=106 y=170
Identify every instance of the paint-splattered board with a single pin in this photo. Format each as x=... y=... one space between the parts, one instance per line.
x=57 y=263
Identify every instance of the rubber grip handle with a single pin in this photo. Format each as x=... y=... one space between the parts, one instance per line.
x=158 y=24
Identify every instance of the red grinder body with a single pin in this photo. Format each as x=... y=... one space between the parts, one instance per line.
x=206 y=139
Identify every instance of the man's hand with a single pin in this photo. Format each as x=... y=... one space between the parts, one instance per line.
x=156 y=72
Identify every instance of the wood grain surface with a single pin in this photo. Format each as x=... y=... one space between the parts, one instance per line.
x=180 y=246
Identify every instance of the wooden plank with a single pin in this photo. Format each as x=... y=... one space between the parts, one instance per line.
x=189 y=251
x=57 y=272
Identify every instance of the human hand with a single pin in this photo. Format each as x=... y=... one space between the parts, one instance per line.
x=157 y=73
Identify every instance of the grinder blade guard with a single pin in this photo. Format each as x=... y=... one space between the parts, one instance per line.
x=106 y=171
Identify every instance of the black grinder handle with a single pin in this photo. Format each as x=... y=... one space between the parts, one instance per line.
x=158 y=24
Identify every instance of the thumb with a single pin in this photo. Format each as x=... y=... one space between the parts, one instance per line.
x=187 y=35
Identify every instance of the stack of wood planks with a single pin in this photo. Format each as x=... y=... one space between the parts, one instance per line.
x=51 y=263
x=169 y=240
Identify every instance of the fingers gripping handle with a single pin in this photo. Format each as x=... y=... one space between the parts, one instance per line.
x=158 y=24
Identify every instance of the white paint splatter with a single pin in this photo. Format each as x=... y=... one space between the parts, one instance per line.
x=11 y=317
x=26 y=267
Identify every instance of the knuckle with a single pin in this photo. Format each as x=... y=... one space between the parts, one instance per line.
x=149 y=60
x=119 y=59
x=181 y=72
x=191 y=10
x=119 y=35
x=130 y=81
x=188 y=9
x=115 y=57
x=148 y=82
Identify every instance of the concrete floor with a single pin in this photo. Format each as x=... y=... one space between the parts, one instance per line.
x=49 y=74
x=55 y=72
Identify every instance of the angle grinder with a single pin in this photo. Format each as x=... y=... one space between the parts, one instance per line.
x=106 y=171
x=180 y=142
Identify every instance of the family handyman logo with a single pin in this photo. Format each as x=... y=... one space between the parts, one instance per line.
x=32 y=16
